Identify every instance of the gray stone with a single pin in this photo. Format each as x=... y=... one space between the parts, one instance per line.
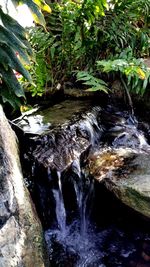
x=21 y=237
x=126 y=173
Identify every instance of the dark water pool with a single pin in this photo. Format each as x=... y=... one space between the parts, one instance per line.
x=112 y=236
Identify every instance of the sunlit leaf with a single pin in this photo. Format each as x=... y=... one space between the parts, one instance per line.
x=43 y=5
x=141 y=74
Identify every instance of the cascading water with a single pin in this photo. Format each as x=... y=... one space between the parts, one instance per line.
x=73 y=239
x=84 y=190
x=60 y=208
x=77 y=238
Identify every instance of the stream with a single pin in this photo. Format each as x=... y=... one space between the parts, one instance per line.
x=85 y=224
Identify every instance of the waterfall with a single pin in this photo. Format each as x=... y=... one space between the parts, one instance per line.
x=65 y=192
x=84 y=212
x=74 y=237
x=84 y=195
x=83 y=187
x=60 y=207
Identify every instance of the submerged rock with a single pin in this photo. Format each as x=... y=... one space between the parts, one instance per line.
x=126 y=173
x=21 y=237
x=38 y=122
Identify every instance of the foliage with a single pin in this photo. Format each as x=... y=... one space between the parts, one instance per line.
x=95 y=84
x=126 y=24
x=135 y=73
x=79 y=33
x=39 y=67
x=35 y=7
x=15 y=50
x=65 y=46
x=125 y=39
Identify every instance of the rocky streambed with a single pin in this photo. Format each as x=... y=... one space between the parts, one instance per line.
x=75 y=163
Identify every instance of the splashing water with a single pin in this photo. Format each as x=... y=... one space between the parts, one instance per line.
x=75 y=238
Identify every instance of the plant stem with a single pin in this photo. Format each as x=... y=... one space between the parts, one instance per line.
x=128 y=96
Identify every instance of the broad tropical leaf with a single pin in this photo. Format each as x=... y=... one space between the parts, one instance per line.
x=35 y=6
x=15 y=50
x=8 y=59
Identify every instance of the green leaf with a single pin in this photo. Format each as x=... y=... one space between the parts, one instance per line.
x=95 y=83
x=11 y=81
x=14 y=27
x=145 y=83
x=8 y=38
x=35 y=9
x=97 y=88
x=8 y=96
x=8 y=58
x=37 y=15
x=11 y=24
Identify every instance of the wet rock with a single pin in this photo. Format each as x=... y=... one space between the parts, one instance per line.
x=65 y=143
x=126 y=173
x=42 y=121
x=21 y=238
x=117 y=89
x=78 y=93
x=52 y=154
x=102 y=164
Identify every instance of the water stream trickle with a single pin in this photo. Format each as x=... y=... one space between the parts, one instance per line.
x=77 y=241
x=74 y=239
x=60 y=208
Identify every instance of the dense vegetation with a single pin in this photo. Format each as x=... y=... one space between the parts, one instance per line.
x=82 y=40
x=15 y=51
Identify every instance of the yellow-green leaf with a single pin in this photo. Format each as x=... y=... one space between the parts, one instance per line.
x=43 y=5
x=141 y=73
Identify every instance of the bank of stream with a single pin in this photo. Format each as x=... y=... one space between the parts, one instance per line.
x=84 y=221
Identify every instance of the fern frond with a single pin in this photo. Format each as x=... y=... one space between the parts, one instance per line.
x=95 y=84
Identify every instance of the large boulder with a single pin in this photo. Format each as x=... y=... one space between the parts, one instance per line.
x=21 y=237
x=126 y=173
